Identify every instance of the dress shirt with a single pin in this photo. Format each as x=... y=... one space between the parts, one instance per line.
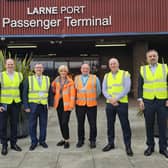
x=153 y=68
x=39 y=79
x=126 y=84
x=11 y=75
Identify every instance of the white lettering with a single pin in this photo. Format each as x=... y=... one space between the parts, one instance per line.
x=35 y=11
x=13 y=23
x=5 y=21
x=53 y=23
x=72 y=9
x=45 y=24
x=42 y=10
x=29 y=12
x=93 y=21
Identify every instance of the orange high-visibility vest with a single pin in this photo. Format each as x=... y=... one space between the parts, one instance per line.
x=86 y=95
x=68 y=93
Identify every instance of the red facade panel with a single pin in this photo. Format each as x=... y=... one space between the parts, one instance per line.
x=30 y=17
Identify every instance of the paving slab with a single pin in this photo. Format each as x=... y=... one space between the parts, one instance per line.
x=58 y=157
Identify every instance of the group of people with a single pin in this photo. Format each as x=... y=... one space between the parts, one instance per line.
x=38 y=95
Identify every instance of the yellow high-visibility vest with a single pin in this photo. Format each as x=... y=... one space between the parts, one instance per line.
x=10 y=91
x=38 y=94
x=155 y=85
x=115 y=85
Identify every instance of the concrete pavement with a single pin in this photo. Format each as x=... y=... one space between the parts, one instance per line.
x=58 y=157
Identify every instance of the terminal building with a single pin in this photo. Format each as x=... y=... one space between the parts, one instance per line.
x=73 y=32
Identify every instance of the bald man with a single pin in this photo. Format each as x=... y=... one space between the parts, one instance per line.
x=116 y=86
x=10 y=82
x=87 y=90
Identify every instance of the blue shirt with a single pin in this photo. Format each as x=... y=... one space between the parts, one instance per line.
x=153 y=68
x=84 y=79
x=126 y=85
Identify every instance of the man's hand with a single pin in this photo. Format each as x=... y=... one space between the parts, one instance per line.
x=49 y=107
x=166 y=104
x=27 y=110
x=2 y=109
x=141 y=105
x=113 y=101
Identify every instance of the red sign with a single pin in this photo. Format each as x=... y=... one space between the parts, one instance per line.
x=78 y=17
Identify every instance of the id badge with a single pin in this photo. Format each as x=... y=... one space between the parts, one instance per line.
x=41 y=94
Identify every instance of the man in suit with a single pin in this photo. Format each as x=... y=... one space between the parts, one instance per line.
x=153 y=99
x=10 y=88
x=116 y=85
x=37 y=95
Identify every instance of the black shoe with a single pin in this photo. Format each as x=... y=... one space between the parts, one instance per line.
x=164 y=152
x=108 y=147
x=92 y=144
x=4 y=150
x=79 y=144
x=61 y=143
x=16 y=148
x=129 y=151
x=149 y=151
x=44 y=145
x=32 y=147
x=66 y=145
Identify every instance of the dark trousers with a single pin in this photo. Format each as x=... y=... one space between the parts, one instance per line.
x=38 y=111
x=91 y=112
x=122 y=111
x=63 y=118
x=153 y=107
x=11 y=115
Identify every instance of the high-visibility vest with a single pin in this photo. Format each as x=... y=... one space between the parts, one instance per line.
x=38 y=94
x=68 y=93
x=115 y=84
x=10 y=88
x=86 y=95
x=155 y=85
